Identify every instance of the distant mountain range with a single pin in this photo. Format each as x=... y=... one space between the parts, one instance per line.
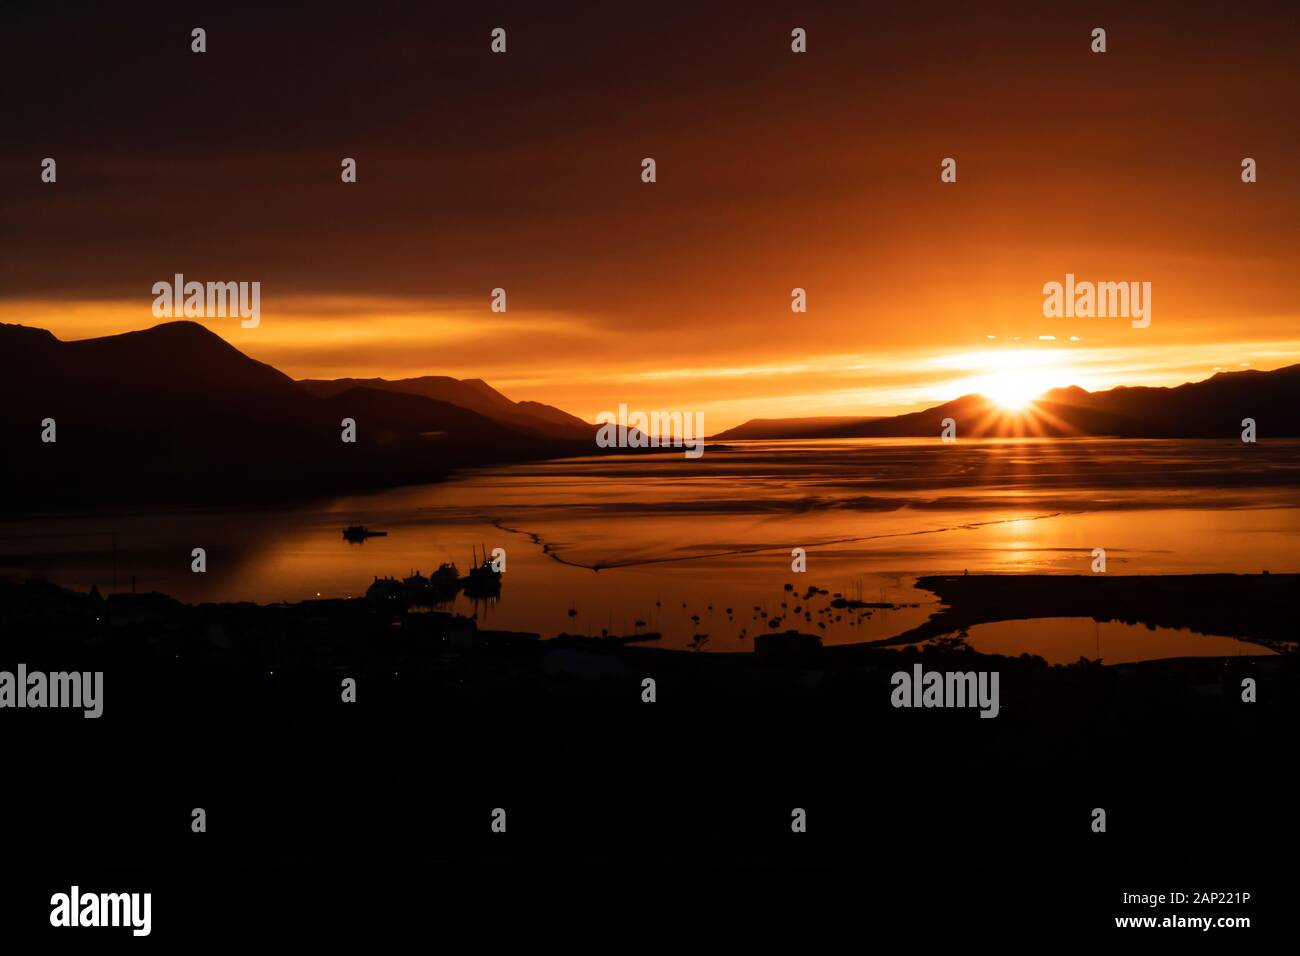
x=1213 y=408
x=176 y=413
x=771 y=428
x=470 y=393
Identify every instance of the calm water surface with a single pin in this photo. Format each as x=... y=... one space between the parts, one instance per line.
x=605 y=543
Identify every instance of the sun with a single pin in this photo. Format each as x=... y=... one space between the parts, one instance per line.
x=1015 y=389
x=1011 y=379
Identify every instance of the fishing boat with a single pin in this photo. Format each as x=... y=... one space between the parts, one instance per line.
x=483 y=579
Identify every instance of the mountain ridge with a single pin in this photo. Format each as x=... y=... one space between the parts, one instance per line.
x=471 y=393
x=174 y=412
x=1211 y=408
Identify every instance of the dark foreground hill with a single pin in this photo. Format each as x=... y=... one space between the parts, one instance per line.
x=239 y=709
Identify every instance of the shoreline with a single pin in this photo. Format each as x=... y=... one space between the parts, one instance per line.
x=1253 y=608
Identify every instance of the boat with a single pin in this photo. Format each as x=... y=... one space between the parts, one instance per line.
x=483 y=579
x=359 y=532
x=445 y=582
x=386 y=592
x=483 y=574
x=417 y=589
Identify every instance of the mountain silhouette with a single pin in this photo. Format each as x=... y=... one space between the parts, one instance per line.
x=473 y=394
x=1213 y=408
x=790 y=427
x=166 y=373
x=176 y=413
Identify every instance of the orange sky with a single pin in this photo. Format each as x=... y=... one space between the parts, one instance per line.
x=775 y=171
